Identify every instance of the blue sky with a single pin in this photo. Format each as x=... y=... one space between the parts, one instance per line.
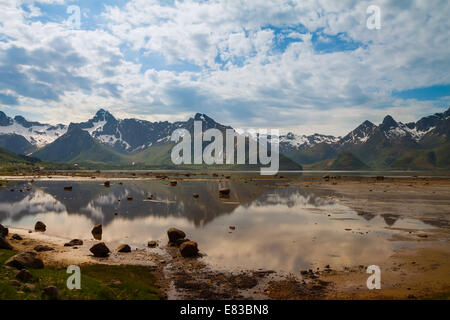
x=303 y=66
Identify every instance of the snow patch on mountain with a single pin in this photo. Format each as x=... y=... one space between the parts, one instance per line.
x=38 y=135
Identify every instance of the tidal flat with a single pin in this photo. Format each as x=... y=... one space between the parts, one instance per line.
x=291 y=236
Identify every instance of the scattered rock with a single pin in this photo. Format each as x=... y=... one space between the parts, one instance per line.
x=28 y=287
x=23 y=275
x=3 y=231
x=51 y=293
x=15 y=236
x=224 y=191
x=28 y=259
x=174 y=234
x=189 y=249
x=4 y=244
x=123 y=248
x=152 y=244
x=40 y=226
x=100 y=250
x=42 y=248
x=74 y=242
x=97 y=232
x=14 y=283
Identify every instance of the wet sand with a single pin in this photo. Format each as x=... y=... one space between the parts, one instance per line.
x=412 y=272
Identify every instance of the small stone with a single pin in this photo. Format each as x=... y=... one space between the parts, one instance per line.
x=4 y=244
x=107 y=184
x=123 y=248
x=152 y=244
x=23 y=275
x=14 y=283
x=100 y=250
x=17 y=237
x=40 y=226
x=189 y=249
x=42 y=248
x=195 y=195
x=224 y=191
x=28 y=287
x=68 y=188
x=232 y=228
x=3 y=231
x=97 y=232
x=28 y=259
x=51 y=293
x=174 y=234
x=173 y=183
x=74 y=242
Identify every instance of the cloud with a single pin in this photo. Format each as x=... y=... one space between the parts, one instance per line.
x=305 y=66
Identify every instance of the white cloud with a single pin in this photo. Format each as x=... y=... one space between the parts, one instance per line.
x=243 y=77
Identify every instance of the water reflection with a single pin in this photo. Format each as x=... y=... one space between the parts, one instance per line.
x=281 y=228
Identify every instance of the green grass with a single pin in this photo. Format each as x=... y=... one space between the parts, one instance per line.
x=98 y=282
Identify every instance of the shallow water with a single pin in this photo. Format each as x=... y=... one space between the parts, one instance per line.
x=281 y=228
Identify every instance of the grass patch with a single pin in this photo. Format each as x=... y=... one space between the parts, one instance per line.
x=98 y=282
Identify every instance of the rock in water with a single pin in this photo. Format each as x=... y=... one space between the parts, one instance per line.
x=74 y=242
x=100 y=250
x=97 y=232
x=152 y=244
x=3 y=231
x=174 y=234
x=224 y=191
x=40 y=226
x=23 y=275
x=4 y=244
x=41 y=248
x=189 y=249
x=25 y=260
x=123 y=248
x=51 y=293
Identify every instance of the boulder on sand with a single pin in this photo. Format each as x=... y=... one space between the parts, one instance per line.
x=189 y=249
x=4 y=244
x=15 y=236
x=40 y=226
x=97 y=232
x=3 y=231
x=74 y=242
x=152 y=244
x=100 y=250
x=123 y=248
x=25 y=260
x=174 y=234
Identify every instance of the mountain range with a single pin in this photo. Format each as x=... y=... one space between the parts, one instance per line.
x=105 y=140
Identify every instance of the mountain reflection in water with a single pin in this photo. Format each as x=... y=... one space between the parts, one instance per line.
x=280 y=228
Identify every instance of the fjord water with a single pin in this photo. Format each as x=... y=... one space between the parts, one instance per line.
x=282 y=228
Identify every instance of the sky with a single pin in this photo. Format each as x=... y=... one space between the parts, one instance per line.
x=302 y=66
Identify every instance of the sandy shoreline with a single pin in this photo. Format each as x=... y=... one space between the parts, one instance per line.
x=412 y=272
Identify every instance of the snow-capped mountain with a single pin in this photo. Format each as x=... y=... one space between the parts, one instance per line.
x=128 y=136
x=35 y=133
x=296 y=141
